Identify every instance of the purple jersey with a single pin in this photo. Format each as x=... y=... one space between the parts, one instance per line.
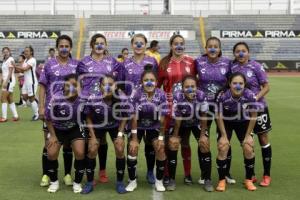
x=189 y=110
x=106 y=116
x=53 y=75
x=91 y=72
x=63 y=113
x=148 y=111
x=237 y=109
x=133 y=71
x=212 y=76
x=255 y=75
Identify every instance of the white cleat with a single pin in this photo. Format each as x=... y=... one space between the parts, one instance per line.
x=77 y=188
x=230 y=180
x=201 y=181
x=54 y=186
x=132 y=185
x=159 y=186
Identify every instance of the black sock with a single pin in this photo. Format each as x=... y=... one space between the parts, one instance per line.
x=44 y=161
x=150 y=157
x=102 y=154
x=90 y=168
x=267 y=157
x=52 y=169
x=205 y=162
x=172 y=163
x=120 y=166
x=160 y=168
x=79 y=170
x=131 y=165
x=68 y=159
x=228 y=164
x=249 y=167
x=221 y=166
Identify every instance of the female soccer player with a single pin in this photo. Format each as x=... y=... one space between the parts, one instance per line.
x=213 y=70
x=30 y=85
x=150 y=109
x=51 y=82
x=90 y=70
x=133 y=68
x=9 y=82
x=259 y=84
x=189 y=105
x=62 y=122
x=20 y=77
x=172 y=69
x=237 y=112
x=105 y=113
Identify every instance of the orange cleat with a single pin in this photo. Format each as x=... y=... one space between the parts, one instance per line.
x=221 y=186
x=249 y=185
x=15 y=119
x=266 y=181
x=254 y=179
x=103 y=178
x=3 y=120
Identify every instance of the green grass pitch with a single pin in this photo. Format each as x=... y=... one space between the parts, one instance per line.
x=21 y=145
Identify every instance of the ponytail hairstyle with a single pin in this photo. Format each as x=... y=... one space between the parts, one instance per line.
x=236 y=45
x=229 y=80
x=165 y=60
x=31 y=50
x=7 y=48
x=64 y=37
x=218 y=40
x=93 y=41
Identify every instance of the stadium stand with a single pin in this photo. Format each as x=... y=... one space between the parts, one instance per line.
x=141 y=22
x=35 y=23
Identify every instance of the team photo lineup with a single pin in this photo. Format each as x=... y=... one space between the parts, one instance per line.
x=142 y=98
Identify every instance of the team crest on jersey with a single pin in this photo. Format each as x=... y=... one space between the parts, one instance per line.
x=90 y=69
x=187 y=69
x=169 y=69
x=202 y=71
x=223 y=71
x=56 y=73
x=97 y=110
x=249 y=74
x=129 y=71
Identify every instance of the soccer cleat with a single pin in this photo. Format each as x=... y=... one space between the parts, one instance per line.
x=221 y=186
x=201 y=181
x=45 y=181
x=54 y=186
x=166 y=180
x=249 y=185
x=150 y=177
x=88 y=188
x=3 y=120
x=159 y=186
x=254 y=179
x=68 y=180
x=15 y=119
x=77 y=188
x=35 y=118
x=103 y=178
x=230 y=180
x=120 y=187
x=132 y=185
x=171 y=186
x=208 y=187
x=266 y=181
x=188 y=180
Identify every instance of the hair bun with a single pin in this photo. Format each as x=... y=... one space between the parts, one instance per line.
x=148 y=67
